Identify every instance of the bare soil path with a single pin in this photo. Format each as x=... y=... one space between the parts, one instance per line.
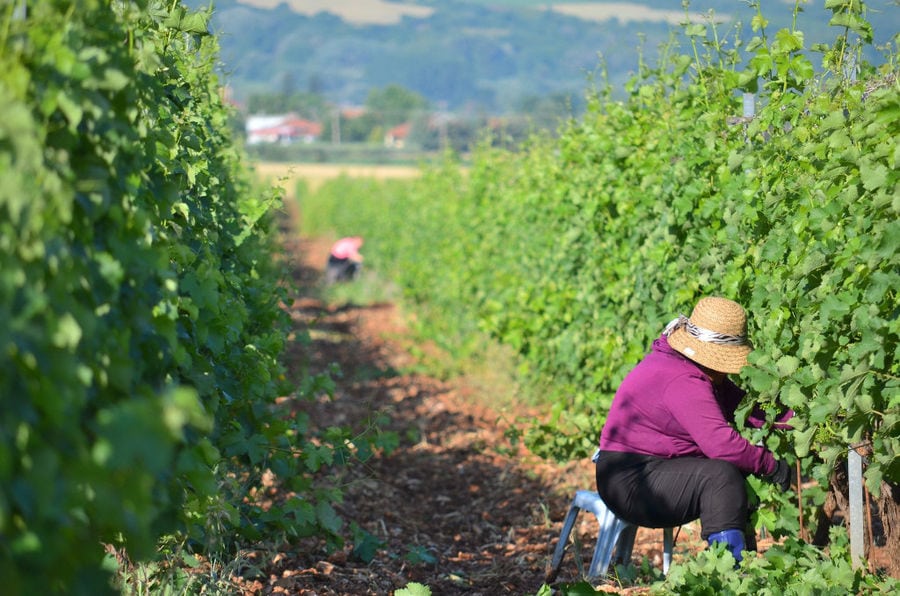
x=486 y=515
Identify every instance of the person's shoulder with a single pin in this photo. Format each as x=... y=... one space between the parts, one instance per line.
x=683 y=379
x=669 y=370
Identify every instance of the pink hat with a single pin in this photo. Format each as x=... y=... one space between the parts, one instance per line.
x=347 y=248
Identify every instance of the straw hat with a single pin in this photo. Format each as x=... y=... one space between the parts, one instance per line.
x=715 y=335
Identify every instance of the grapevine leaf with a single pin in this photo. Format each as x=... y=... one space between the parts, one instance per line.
x=787 y=365
x=855 y=23
x=803 y=440
x=327 y=517
x=70 y=109
x=874 y=175
x=695 y=30
x=68 y=332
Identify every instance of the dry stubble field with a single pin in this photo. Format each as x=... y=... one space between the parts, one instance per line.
x=287 y=174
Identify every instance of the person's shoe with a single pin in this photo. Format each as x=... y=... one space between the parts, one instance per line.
x=733 y=540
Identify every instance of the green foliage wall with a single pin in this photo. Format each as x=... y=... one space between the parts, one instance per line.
x=577 y=252
x=141 y=325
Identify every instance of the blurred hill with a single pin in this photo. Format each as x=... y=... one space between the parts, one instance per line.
x=474 y=55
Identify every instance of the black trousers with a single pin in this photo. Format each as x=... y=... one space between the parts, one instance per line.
x=655 y=492
x=340 y=269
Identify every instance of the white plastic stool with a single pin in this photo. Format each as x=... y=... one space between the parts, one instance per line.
x=615 y=534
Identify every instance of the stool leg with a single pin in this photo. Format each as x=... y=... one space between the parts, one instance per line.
x=561 y=545
x=626 y=544
x=668 y=546
x=610 y=529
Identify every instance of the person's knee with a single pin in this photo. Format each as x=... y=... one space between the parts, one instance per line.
x=724 y=498
x=726 y=484
x=726 y=478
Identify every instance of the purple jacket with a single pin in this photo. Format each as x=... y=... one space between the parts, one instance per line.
x=668 y=407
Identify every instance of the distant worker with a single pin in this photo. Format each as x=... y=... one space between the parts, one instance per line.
x=344 y=262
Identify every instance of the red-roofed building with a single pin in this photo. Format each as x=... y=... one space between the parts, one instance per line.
x=396 y=137
x=353 y=112
x=285 y=129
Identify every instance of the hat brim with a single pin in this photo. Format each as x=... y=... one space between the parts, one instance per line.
x=718 y=357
